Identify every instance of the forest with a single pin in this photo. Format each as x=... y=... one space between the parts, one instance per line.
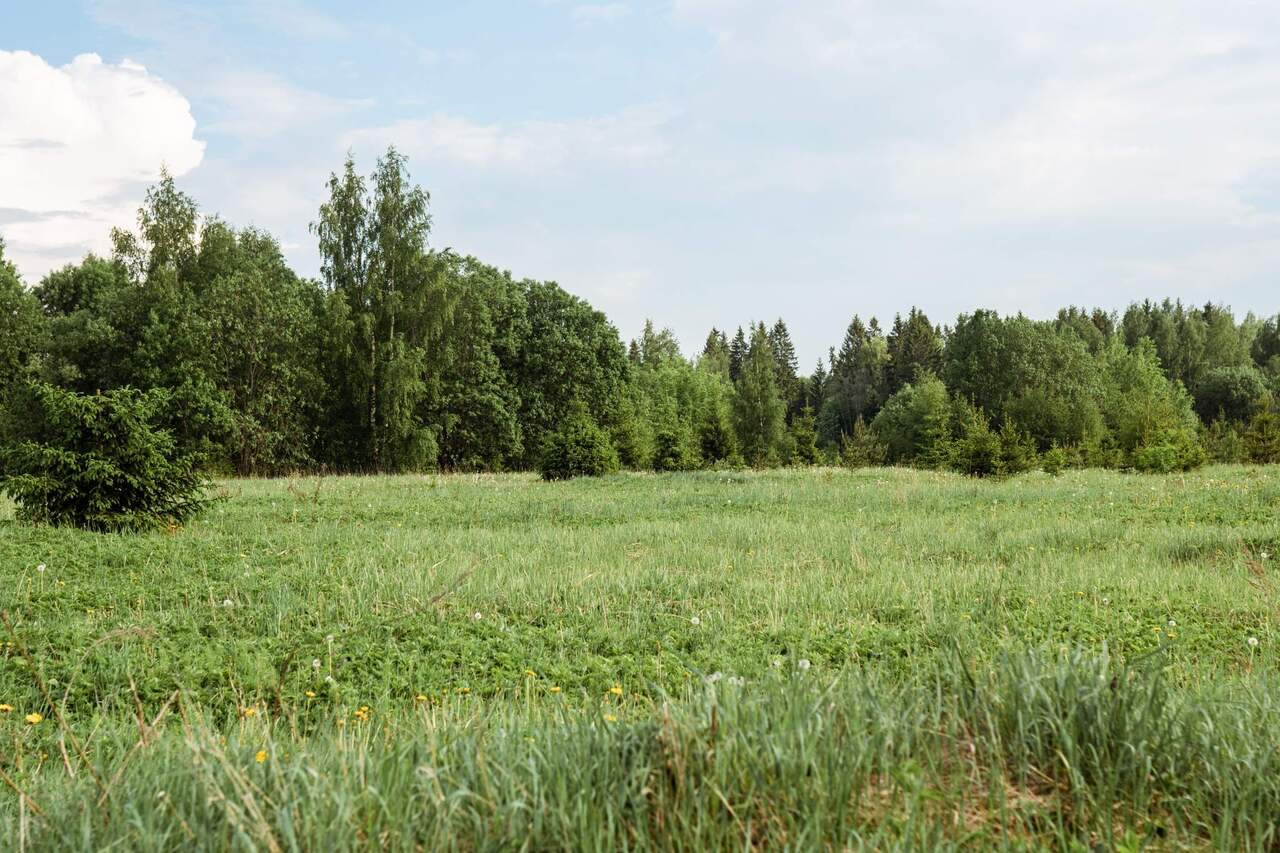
x=404 y=358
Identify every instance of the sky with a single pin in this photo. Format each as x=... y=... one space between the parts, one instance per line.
x=697 y=162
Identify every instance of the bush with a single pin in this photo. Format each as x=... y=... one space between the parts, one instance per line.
x=1170 y=450
x=1054 y=461
x=975 y=450
x=98 y=462
x=862 y=448
x=1017 y=450
x=1262 y=441
x=578 y=449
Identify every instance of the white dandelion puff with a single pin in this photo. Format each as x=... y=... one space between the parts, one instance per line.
x=315 y=663
x=695 y=621
x=40 y=568
x=803 y=663
x=1253 y=642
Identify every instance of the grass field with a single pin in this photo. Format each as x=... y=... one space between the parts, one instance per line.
x=790 y=658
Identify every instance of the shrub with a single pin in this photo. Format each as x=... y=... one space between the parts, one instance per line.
x=671 y=450
x=862 y=448
x=578 y=449
x=1262 y=441
x=975 y=450
x=1169 y=450
x=1017 y=450
x=99 y=462
x=1054 y=461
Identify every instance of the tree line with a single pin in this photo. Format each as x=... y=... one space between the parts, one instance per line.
x=401 y=357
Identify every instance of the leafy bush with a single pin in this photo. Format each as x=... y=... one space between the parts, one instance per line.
x=915 y=422
x=578 y=449
x=1169 y=450
x=99 y=462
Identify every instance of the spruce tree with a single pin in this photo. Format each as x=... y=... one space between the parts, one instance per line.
x=737 y=352
x=914 y=346
x=759 y=414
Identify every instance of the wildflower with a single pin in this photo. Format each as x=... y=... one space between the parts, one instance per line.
x=464 y=690
x=803 y=663
x=328 y=679
x=315 y=663
x=226 y=602
x=40 y=568
x=311 y=694
x=616 y=690
x=1105 y=602
x=555 y=688
x=249 y=712
x=1253 y=642
x=477 y=616
x=530 y=674
x=420 y=697
x=695 y=621
x=610 y=718
x=5 y=708
x=329 y=639
x=1173 y=623
x=33 y=718
x=260 y=756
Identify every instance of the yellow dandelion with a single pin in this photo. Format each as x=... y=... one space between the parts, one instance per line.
x=616 y=690
x=261 y=756
x=555 y=689
x=530 y=673
x=33 y=718
x=610 y=718
x=464 y=689
x=4 y=709
x=311 y=694
x=249 y=712
x=421 y=697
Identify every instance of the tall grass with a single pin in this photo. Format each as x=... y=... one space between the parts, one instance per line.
x=1037 y=749
x=776 y=659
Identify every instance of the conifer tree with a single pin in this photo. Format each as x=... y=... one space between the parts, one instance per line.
x=737 y=353
x=759 y=414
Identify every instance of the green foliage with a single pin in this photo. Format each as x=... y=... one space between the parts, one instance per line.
x=1169 y=450
x=1231 y=392
x=22 y=331
x=915 y=423
x=1054 y=461
x=804 y=439
x=578 y=449
x=758 y=410
x=98 y=462
x=975 y=448
x=862 y=448
x=1262 y=441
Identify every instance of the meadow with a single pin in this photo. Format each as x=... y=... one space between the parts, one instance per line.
x=792 y=658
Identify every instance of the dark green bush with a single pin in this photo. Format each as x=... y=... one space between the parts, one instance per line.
x=862 y=448
x=95 y=461
x=578 y=449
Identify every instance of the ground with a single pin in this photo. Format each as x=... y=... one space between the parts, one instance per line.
x=295 y=614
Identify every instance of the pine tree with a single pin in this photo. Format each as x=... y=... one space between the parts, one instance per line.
x=856 y=387
x=715 y=353
x=759 y=413
x=786 y=365
x=914 y=346
x=737 y=352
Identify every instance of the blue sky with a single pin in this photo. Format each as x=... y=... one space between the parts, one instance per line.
x=700 y=162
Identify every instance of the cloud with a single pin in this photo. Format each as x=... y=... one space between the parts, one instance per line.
x=76 y=145
x=260 y=105
x=591 y=13
x=631 y=136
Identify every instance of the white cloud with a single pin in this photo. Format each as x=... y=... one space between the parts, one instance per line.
x=259 y=105
x=77 y=143
x=628 y=137
x=590 y=13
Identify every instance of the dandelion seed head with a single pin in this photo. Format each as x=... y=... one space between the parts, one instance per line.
x=803 y=663
x=40 y=568
x=1253 y=642
x=695 y=621
x=315 y=663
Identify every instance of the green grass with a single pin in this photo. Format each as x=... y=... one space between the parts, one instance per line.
x=484 y=620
